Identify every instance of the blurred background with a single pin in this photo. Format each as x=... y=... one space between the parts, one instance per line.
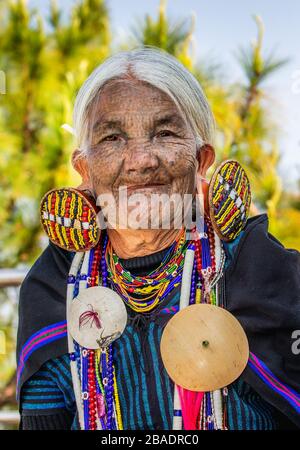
x=244 y=54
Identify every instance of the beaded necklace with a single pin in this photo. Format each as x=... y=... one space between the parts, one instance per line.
x=93 y=373
x=96 y=394
x=151 y=289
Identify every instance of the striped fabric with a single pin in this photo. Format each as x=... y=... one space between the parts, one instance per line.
x=39 y=339
x=292 y=397
x=48 y=391
x=145 y=390
x=246 y=410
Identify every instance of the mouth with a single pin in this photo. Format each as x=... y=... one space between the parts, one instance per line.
x=144 y=187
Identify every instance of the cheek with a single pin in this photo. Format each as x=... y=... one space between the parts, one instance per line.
x=104 y=171
x=181 y=162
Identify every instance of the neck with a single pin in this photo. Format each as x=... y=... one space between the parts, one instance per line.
x=132 y=243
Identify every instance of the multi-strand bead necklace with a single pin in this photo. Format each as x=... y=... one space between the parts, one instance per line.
x=93 y=373
x=154 y=287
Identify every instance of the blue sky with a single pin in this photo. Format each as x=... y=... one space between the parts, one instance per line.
x=221 y=28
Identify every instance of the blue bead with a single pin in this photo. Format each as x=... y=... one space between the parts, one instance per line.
x=72 y=356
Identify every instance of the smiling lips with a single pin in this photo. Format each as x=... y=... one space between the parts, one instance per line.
x=134 y=187
x=141 y=187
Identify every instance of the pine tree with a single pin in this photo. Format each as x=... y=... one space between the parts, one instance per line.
x=175 y=38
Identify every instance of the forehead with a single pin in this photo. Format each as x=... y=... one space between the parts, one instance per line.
x=120 y=98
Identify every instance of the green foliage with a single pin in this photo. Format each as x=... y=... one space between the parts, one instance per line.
x=175 y=38
x=44 y=70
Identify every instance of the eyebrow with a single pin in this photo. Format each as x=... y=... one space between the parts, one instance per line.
x=101 y=125
x=169 y=119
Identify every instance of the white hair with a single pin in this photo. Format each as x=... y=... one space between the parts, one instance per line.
x=161 y=70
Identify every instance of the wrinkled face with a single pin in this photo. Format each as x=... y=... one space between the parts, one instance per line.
x=139 y=140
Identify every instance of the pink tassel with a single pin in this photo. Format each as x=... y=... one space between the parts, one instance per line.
x=100 y=405
x=190 y=406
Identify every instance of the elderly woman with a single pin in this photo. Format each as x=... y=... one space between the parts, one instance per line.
x=144 y=126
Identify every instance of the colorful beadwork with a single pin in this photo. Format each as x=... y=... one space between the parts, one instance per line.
x=229 y=199
x=95 y=368
x=99 y=394
x=142 y=294
x=69 y=218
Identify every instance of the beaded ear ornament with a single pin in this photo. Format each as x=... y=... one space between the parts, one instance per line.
x=229 y=198
x=69 y=218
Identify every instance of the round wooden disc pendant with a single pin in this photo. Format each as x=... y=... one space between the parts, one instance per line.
x=229 y=199
x=69 y=218
x=203 y=348
x=97 y=317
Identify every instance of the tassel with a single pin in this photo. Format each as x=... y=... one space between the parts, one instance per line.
x=100 y=405
x=190 y=406
x=90 y=316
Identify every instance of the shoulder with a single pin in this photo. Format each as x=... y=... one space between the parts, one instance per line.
x=263 y=276
x=47 y=278
x=256 y=246
x=53 y=261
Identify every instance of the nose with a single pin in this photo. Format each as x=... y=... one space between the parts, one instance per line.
x=140 y=159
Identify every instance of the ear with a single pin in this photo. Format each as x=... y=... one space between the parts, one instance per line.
x=205 y=158
x=79 y=163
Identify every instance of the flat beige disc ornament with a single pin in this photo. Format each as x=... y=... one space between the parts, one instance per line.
x=97 y=317
x=203 y=348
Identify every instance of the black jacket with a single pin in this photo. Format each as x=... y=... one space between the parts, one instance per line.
x=260 y=287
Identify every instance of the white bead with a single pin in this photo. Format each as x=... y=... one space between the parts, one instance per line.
x=232 y=194
x=218 y=410
x=238 y=202
x=77 y=224
x=177 y=423
x=67 y=221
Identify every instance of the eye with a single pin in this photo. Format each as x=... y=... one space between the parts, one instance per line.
x=165 y=133
x=111 y=138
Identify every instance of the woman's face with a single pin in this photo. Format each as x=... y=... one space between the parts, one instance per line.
x=140 y=141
